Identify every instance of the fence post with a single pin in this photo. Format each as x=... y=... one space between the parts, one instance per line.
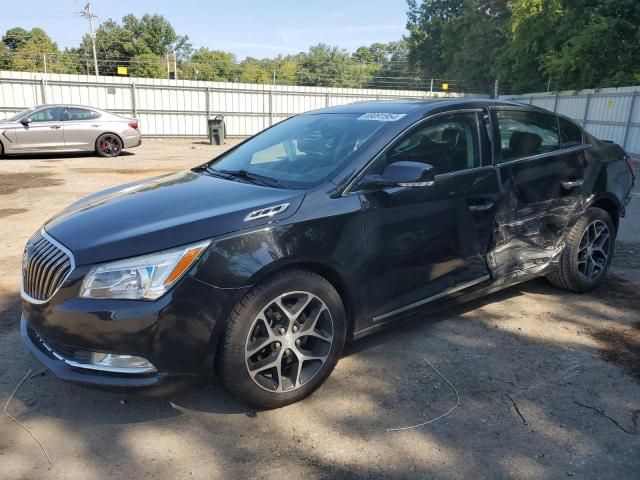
x=586 y=111
x=208 y=102
x=555 y=103
x=326 y=99
x=43 y=90
x=270 y=107
x=531 y=100
x=134 y=105
x=629 y=118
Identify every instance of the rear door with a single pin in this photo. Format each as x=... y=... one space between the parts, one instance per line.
x=81 y=127
x=44 y=132
x=423 y=243
x=541 y=175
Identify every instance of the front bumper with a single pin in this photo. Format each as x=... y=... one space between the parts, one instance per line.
x=177 y=333
x=67 y=369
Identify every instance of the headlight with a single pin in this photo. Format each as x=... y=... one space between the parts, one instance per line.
x=147 y=277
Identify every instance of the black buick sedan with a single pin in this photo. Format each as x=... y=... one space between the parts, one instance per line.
x=260 y=264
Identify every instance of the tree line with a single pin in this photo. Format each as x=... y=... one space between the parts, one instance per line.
x=527 y=45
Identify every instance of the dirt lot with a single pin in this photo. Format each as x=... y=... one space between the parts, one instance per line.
x=549 y=382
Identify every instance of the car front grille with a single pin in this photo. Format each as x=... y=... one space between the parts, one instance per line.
x=45 y=266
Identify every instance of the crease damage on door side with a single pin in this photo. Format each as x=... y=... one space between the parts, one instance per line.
x=528 y=239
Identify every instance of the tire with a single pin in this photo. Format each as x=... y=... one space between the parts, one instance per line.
x=108 y=145
x=587 y=253
x=260 y=335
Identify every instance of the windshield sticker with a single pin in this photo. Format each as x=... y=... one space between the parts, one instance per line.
x=382 y=117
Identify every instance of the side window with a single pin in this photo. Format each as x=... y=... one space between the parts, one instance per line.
x=523 y=133
x=47 y=115
x=448 y=143
x=570 y=134
x=75 y=114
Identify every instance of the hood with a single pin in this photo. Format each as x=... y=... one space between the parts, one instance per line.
x=162 y=213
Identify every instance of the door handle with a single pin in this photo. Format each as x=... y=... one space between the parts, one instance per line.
x=569 y=184
x=482 y=207
x=55 y=127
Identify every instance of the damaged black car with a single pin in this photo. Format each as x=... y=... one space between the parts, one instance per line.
x=258 y=266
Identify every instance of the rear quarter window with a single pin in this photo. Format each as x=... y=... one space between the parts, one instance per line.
x=570 y=134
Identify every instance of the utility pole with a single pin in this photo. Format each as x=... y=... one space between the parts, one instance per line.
x=44 y=58
x=90 y=16
x=175 y=65
x=496 y=88
x=168 y=68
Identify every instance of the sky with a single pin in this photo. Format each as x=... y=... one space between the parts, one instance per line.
x=257 y=28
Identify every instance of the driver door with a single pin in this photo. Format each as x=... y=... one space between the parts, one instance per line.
x=43 y=132
x=423 y=243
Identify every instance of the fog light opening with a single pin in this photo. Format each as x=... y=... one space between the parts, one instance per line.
x=111 y=362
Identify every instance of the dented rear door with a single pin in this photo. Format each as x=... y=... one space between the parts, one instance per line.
x=541 y=181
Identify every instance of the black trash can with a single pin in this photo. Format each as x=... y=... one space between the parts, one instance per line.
x=216 y=130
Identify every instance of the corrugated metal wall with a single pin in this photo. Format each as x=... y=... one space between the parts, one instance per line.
x=180 y=107
x=608 y=113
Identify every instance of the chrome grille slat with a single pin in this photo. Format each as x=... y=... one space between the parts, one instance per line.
x=37 y=262
x=43 y=263
x=57 y=271
x=46 y=266
x=31 y=267
x=54 y=262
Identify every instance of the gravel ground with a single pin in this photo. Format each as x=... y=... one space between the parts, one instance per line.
x=548 y=381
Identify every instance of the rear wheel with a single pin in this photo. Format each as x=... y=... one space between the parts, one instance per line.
x=283 y=339
x=587 y=254
x=108 y=145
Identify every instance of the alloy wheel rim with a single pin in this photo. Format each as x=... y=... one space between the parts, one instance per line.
x=289 y=341
x=593 y=252
x=109 y=145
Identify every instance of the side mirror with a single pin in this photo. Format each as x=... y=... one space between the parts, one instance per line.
x=26 y=121
x=401 y=174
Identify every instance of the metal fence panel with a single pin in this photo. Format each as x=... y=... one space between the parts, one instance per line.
x=181 y=107
x=608 y=113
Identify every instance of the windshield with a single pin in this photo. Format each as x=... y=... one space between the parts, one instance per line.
x=19 y=115
x=302 y=151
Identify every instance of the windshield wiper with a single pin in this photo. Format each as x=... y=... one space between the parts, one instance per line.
x=249 y=176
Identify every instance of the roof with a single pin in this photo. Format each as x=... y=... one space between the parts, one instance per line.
x=412 y=105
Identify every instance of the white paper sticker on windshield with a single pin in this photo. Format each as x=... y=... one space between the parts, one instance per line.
x=382 y=117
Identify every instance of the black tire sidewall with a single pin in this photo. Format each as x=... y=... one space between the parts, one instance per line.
x=590 y=216
x=232 y=359
x=101 y=153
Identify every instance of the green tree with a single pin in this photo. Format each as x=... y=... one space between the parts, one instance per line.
x=15 y=38
x=5 y=60
x=326 y=66
x=253 y=72
x=206 y=64
x=148 y=65
x=426 y=22
x=30 y=57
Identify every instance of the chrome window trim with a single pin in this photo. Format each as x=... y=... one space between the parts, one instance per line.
x=553 y=153
x=363 y=171
x=463 y=172
x=430 y=299
x=49 y=238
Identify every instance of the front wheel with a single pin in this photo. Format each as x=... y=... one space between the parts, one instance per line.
x=587 y=253
x=283 y=339
x=108 y=145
